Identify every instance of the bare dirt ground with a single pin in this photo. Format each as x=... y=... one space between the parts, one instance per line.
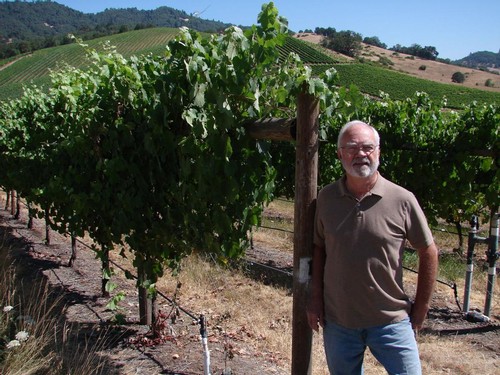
x=434 y=71
x=85 y=310
x=231 y=353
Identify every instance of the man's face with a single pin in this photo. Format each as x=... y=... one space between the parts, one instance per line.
x=359 y=152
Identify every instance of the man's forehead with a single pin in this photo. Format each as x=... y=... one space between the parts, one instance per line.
x=358 y=132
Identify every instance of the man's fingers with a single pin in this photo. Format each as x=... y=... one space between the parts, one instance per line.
x=314 y=321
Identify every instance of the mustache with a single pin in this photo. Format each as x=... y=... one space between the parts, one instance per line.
x=363 y=159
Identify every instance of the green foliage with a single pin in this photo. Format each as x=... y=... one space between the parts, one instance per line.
x=427 y=52
x=489 y=83
x=36 y=68
x=480 y=59
x=150 y=151
x=458 y=77
x=31 y=26
x=427 y=150
x=305 y=51
x=372 y=80
x=374 y=41
x=345 y=42
x=113 y=304
x=384 y=60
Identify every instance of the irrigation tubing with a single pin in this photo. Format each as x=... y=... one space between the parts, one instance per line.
x=287 y=273
x=432 y=228
x=452 y=285
x=171 y=301
x=278 y=229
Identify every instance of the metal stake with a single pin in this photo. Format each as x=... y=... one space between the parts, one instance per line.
x=474 y=225
x=492 y=258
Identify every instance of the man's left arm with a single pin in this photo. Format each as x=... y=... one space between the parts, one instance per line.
x=427 y=274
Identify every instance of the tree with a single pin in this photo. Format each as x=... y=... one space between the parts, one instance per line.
x=374 y=41
x=330 y=32
x=427 y=52
x=458 y=77
x=345 y=42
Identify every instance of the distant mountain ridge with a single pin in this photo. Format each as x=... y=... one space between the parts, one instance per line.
x=49 y=23
x=481 y=59
x=27 y=26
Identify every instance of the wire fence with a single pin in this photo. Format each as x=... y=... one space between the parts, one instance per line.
x=446 y=238
x=89 y=247
x=449 y=241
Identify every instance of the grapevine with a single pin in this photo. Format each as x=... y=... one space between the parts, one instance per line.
x=150 y=153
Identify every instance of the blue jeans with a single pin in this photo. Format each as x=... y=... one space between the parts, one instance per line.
x=393 y=345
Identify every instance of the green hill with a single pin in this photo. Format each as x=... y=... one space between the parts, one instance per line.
x=481 y=59
x=28 y=26
x=35 y=68
x=22 y=20
x=373 y=79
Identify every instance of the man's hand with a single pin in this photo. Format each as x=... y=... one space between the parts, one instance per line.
x=315 y=315
x=315 y=308
x=427 y=273
x=315 y=320
x=418 y=314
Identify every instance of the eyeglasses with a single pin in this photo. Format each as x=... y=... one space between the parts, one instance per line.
x=355 y=149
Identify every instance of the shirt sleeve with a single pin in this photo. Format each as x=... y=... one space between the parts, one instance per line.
x=417 y=229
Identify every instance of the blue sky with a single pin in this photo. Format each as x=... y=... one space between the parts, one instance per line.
x=455 y=27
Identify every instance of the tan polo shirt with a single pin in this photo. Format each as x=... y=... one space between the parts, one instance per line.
x=364 y=243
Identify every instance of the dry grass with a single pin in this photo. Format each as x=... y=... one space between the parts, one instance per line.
x=260 y=316
x=434 y=71
x=250 y=314
x=239 y=305
x=236 y=307
x=452 y=355
x=279 y=215
x=37 y=311
x=255 y=317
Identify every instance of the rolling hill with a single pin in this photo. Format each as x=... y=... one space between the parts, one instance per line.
x=371 y=77
x=434 y=70
x=35 y=68
x=22 y=21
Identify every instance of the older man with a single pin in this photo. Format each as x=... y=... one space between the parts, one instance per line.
x=361 y=227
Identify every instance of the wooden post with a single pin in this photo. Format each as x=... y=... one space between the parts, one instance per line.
x=73 y=251
x=275 y=129
x=105 y=269
x=306 y=172
x=145 y=302
x=12 y=202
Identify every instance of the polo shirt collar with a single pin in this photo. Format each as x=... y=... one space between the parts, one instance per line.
x=378 y=189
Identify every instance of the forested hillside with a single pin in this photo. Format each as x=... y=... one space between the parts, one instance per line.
x=482 y=59
x=29 y=26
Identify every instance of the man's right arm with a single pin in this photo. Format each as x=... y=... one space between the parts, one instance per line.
x=315 y=307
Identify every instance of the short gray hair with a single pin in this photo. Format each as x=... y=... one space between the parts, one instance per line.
x=357 y=122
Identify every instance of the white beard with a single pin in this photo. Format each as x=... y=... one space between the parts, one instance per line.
x=361 y=170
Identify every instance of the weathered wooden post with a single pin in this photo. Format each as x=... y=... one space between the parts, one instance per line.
x=12 y=202
x=145 y=301
x=306 y=172
x=304 y=129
